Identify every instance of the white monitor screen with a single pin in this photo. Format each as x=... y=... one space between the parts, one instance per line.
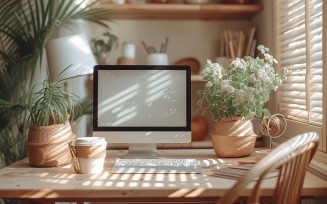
x=144 y=99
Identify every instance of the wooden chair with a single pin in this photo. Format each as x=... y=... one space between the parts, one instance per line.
x=292 y=157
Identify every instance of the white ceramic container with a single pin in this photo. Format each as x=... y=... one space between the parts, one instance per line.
x=157 y=59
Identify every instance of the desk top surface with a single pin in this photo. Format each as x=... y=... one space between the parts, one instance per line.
x=20 y=180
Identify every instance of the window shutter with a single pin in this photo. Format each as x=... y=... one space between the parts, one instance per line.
x=299 y=49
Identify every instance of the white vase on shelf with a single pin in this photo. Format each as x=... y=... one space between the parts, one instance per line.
x=157 y=59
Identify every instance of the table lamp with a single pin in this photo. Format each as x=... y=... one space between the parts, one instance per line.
x=69 y=50
x=72 y=50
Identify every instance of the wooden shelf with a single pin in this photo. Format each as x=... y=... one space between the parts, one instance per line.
x=197 y=77
x=181 y=11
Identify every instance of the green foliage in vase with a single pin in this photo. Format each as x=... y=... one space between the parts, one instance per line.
x=25 y=28
x=240 y=89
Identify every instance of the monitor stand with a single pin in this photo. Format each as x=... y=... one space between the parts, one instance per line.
x=141 y=150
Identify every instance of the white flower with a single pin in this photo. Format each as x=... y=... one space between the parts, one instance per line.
x=252 y=78
x=209 y=84
x=206 y=71
x=226 y=87
x=270 y=59
x=263 y=49
x=249 y=94
x=216 y=70
x=239 y=63
x=239 y=97
x=263 y=76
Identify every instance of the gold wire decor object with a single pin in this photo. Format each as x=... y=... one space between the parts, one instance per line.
x=273 y=126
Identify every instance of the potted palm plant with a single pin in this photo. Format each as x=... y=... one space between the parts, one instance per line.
x=50 y=132
x=25 y=28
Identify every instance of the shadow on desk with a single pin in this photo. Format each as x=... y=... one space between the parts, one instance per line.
x=23 y=182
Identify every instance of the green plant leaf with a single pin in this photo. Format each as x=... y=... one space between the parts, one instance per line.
x=265 y=112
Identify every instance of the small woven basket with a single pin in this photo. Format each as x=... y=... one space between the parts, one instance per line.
x=233 y=146
x=48 y=145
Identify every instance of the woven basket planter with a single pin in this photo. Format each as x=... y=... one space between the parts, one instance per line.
x=233 y=137
x=48 y=145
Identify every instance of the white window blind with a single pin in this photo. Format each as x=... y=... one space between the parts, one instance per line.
x=299 y=49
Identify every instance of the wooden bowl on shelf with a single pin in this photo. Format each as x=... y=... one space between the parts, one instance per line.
x=196 y=1
x=192 y=62
x=237 y=1
x=161 y=1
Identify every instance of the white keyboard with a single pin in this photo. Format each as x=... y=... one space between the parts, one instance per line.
x=160 y=165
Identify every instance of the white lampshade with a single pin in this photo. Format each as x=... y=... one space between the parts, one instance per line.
x=70 y=50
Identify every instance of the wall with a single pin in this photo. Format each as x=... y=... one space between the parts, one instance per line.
x=264 y=23
x=187 y=38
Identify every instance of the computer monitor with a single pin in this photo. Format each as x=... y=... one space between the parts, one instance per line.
x=142 y=106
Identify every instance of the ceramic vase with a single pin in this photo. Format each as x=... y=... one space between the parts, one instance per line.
x=157 y=59
x=233 y=137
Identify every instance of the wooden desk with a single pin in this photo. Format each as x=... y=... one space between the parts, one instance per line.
x=21 y=181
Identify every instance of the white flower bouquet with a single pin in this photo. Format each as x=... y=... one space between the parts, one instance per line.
x=240 y=89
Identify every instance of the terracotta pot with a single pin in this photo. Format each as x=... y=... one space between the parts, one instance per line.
x=200 y=128
x=233 y=137
x=48 y=145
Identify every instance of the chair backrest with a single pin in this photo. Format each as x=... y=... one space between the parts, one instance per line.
x=292 y=158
